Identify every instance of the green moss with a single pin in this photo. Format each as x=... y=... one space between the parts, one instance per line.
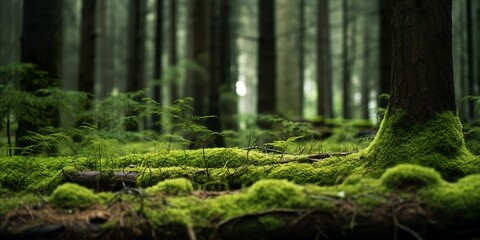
x=455 y=200
x=437 y=143
x=14 y=201
x=273 y=193
x=70 y=195
x=176 y=186
x=202 y=158
x=407 y=176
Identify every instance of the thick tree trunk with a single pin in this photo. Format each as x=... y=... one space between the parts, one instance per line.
x=41 y=44
x=267 y=101
x=421 y=125
x=422 y=73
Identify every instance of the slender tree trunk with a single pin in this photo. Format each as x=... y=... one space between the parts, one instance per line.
x=385 y=50
x=324 y=72
x=41 y=44
x=346 y=74
x=105 y=50
x=172 y=48
x=229 y=98
x=198 y=40
x=267 y=101
x=218 y=67
x=86 y=68
x=288 y=59
x=365 y=79
x=301 y=55
x=470 y=61
x=157 y=68
x=135 y=70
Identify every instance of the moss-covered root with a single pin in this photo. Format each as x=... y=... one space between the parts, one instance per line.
x=437 y=143
x=70 y=195
x=176 y=186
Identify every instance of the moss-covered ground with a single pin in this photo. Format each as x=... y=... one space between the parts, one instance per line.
x=421 y=184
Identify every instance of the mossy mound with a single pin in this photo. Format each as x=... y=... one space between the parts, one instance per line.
x=176 y=186
x=273 y=193
x=71 y=195
x=406 y=176
x=455 y=200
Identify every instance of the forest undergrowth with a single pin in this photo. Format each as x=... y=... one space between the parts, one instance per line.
x=276 y=178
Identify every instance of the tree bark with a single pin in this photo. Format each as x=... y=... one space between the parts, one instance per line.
x=470 y=61
x=267 y=101
x=422 y=73
x=41 y=43
x=289 y=99
x=385 y=50
x=172 y=54
x=136 y=52
x=346 y=74
x=365 y=78
x=86 y=68
x=219 y=64
x=198 y=43
x=157 y=68
x=421 y=125
x=324 y=72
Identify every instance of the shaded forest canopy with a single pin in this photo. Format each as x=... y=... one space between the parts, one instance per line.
x=220 y=119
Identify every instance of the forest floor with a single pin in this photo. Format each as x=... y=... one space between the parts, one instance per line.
x=231 y=193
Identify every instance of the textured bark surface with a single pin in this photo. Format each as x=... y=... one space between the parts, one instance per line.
x=422 y=83
x=267 y=102
x=385 y=50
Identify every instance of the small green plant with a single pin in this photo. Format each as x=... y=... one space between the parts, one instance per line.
x=34 y=107
x=183 y=127
x=283 y=145
x=43 y=143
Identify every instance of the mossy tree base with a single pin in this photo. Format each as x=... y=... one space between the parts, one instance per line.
x=437 y=143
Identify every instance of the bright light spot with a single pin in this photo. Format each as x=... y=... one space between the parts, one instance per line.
x=115 y=92
x=241 y=88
